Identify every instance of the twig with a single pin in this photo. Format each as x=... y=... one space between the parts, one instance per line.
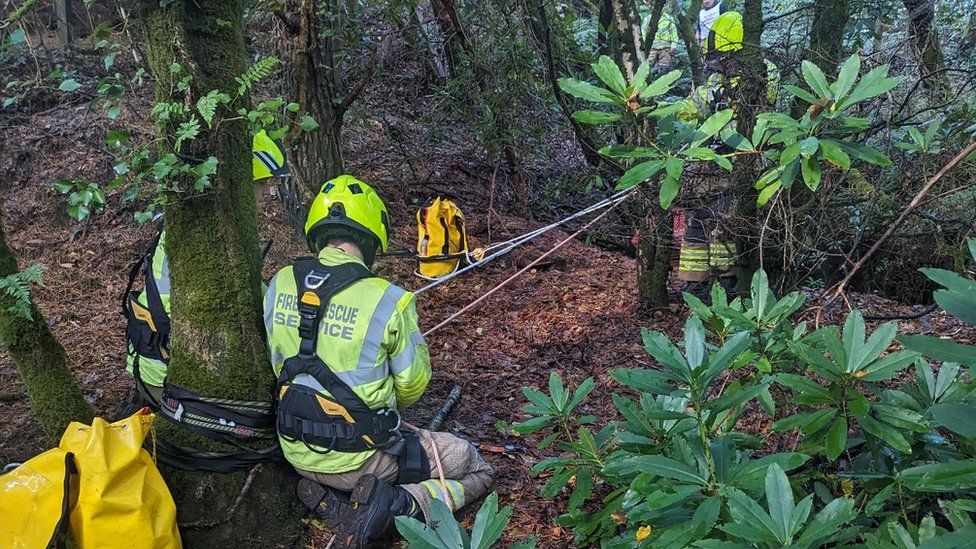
x=227 y=516
x=378 y=54
x=838 y=288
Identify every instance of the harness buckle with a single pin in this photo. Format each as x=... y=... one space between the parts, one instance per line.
x=314 y=281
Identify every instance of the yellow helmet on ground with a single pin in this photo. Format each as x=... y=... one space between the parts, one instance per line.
x=726 y=34
x=346 y=206
x=267 y=158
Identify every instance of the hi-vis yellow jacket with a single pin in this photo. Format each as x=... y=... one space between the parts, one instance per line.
x=369 y=336
x=152 y=371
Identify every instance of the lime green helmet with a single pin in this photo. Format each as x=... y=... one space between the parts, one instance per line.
x=346 y=206
x=267 y=158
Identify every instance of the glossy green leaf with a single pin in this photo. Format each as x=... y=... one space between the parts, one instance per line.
x=608 y=71
x=837 y=438
x=940 y=477
x=640 y=173
x=814 y=77
x=596 y=117
x=586 y=91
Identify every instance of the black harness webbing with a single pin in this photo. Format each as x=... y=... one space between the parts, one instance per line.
x=221 y=419
x=315 y=407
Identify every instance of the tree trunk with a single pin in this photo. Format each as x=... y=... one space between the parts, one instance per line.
x=316 y=156
x=830 y=19
x=52 y=390
x=924 y=39
x=540 y=29
x=657 y=9
x=216 y=342
x=752 y=100
x=627 y=24
x=451 y=29
x=827 y=31
x=686 y=27
x=654 y=246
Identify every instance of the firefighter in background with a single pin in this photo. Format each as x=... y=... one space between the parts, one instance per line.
x=665 y=42
x=708 y=252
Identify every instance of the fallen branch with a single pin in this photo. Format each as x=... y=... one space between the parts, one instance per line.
x=838 y=288
x=452 y=399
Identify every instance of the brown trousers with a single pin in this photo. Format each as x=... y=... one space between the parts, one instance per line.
x=468 y=476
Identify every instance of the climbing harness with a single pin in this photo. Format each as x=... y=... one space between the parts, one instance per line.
x=498 y=249
x=317 y=408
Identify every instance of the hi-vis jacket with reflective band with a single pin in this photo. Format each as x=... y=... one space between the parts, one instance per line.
x=369 y=336
x=152 y=371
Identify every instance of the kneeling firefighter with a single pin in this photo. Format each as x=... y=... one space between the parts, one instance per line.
x=147 y=312
x=348 y=353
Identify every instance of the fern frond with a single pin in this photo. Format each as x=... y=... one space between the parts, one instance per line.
x=260 y=69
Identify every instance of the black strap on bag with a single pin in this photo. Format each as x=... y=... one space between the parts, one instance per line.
x=147 y=327
x=330 y=417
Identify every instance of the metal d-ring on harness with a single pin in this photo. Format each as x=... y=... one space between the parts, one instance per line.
x=318 y=409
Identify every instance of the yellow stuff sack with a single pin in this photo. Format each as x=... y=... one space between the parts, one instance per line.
x=441 y=241
x=117 y=498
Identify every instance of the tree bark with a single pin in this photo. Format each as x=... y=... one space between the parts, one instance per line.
x=449 y=22
x=752 y=100
x=654 y=246
x=41 y=362
x=924 y=39
x=316 y=156
x=657 y=9
x=830 y=18
x=216 y=344
x=686 y=27
x=540 y=29
x=627 y=24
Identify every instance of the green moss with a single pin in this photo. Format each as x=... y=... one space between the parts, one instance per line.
x=52 y=390
x=654 y=257
x=217 y=343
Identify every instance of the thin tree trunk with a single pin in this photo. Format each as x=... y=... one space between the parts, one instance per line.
x=686 y=27
x=654 y=246
x=540 y=28
x=924 y=39
x=316 y=156
x=830 y=18
x=43 y=367
x=752 y=100
x=216 y=342
x=449 y=22
x=627 y=23
x=657 y=9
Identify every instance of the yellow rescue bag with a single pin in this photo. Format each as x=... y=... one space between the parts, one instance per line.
x=117 y=496
x=441 y=241
x=34 y=501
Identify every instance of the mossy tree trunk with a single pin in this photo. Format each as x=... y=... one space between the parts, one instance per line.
x=52 y=390
x=752 y=100
x=216 y=344
x=654 y=247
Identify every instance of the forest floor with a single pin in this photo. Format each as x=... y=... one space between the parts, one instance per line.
x=577 y=313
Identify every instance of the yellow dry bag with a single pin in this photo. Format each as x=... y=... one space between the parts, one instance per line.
x=101 y=482
x=441 y=241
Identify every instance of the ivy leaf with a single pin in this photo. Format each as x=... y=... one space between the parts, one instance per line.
x=64 y=186
x=69 y=85
x=308 y=123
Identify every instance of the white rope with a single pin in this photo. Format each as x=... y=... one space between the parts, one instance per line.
x=512 y=243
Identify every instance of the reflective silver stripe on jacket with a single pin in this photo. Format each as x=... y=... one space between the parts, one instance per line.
x=373 y=341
